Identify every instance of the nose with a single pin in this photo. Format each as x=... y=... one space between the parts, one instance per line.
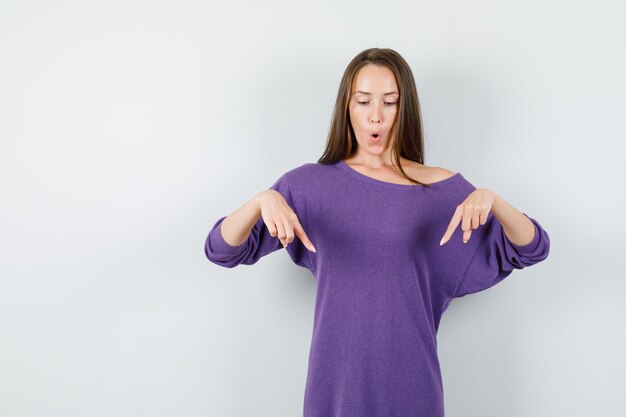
x=375 y=117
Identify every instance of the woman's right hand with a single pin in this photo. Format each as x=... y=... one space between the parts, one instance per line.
x=281 y=221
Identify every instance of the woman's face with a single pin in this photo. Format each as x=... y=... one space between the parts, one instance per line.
x=373 y=106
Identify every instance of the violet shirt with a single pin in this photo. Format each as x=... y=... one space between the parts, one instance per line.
x=383 y=282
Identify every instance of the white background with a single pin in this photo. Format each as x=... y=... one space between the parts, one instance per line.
x=128 y=128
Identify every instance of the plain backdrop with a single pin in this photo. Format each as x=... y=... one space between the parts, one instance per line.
x=127 y=128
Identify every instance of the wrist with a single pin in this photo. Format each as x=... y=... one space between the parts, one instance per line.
x=497 y=202
x=257 y=200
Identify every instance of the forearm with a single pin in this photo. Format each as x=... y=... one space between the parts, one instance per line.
x=236 y=226
x=517 y=227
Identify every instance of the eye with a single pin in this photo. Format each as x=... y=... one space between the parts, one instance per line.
x=365 y=102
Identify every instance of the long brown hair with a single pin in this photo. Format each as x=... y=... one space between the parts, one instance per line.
x=409 y=140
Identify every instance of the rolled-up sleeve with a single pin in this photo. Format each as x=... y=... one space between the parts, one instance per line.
x=496 y=256
x=259 y=242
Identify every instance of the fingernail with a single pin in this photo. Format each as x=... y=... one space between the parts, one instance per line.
x=465 y=241
x=313 y=248
x=441 y=243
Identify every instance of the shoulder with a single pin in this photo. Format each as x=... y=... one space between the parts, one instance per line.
x=461 y=184
x=439 y=174
x=303 y=174
x=306 y=172
x=426 y=173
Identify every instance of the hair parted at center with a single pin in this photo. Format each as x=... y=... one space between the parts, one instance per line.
x=409 y=139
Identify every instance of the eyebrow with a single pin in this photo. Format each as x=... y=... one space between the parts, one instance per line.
x=365 y=92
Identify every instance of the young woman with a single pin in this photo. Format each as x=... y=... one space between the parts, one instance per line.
x=376 y=228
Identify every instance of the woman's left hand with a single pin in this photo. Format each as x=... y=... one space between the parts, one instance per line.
x=473 y=211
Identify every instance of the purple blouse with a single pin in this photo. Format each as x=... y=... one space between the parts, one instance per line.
x=383 y=282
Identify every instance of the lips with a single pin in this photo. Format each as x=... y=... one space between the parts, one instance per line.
x=375 y=134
